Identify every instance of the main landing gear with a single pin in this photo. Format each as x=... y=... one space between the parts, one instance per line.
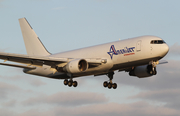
x=70 y=83
x=110 y=84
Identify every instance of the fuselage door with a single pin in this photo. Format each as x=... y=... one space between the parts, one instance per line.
x=138 y=46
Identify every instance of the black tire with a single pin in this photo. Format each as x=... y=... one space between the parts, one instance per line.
x=109 y=85
x=70 y=83
x=114 y=86
x=105 y=84
x=75 y=84
x=65 y=82
x=151 y=72
x=155 y=72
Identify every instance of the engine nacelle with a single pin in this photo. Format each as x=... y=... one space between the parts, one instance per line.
x=76 y=66
x=143 y=71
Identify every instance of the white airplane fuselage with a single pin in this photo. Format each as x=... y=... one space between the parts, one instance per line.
x=119 y=55
x=139 y=56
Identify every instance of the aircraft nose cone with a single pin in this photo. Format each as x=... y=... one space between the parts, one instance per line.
x=165 y=49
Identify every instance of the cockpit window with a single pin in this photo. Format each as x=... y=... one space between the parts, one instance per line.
x=157 y=42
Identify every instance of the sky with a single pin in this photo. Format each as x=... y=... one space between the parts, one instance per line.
x=64 y=25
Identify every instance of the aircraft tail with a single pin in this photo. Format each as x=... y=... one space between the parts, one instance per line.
x=34 y=46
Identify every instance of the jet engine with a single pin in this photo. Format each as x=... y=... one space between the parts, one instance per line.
x=143 y=71
x=76 y=66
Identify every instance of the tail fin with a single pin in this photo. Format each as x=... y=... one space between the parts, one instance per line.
x=34 y=46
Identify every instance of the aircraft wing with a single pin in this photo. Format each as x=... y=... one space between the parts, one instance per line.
x=39 y=61
x=18 y=66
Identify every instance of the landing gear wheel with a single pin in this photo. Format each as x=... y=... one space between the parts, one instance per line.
x=105 y=84
x=70 y=83
x=75 y=84
x=151 y=72
x=114 y=86
x=65 y=82
x=109 y=85
x=155 y=72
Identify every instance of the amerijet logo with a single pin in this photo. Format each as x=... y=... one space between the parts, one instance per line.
x=126 y=51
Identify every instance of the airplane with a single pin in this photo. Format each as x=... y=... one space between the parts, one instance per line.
x=138 y=56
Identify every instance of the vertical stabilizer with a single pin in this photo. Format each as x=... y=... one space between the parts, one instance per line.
x=34 y=46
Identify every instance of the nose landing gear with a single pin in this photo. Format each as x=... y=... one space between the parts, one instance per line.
x=152 y=67
x=110 y=84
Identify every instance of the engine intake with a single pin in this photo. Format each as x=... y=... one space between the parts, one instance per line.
x=143 y=71
x=76 y=66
